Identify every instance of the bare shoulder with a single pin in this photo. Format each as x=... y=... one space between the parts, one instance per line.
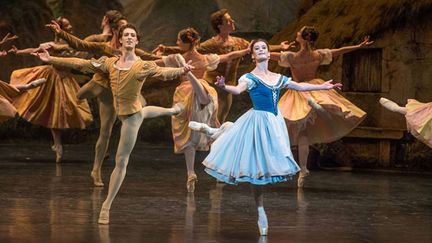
x=273 y=74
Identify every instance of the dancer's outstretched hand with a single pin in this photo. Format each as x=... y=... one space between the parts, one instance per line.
x=188 y=67
x=13 y=50
x=54 y=26
x=285 y=45
x=43 y=55
x=220 y=81
x=159 y=50
x=46 y=45
x=3 y=53
x=329 y=85
x=8 y=37
x=366 y=42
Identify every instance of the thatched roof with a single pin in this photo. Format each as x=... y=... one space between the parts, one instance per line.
x=341 y=22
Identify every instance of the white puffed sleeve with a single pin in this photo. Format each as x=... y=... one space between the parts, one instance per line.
x=326 y=56
x=170 y=61
x=286 y=81
x=212 y=61
x=285 y=58
x=250 y=83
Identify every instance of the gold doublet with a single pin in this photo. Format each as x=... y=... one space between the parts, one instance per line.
x=125 y=84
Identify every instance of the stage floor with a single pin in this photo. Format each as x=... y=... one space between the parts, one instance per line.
x=41 y=201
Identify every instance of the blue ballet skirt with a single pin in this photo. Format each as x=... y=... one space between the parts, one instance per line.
x=255 y=149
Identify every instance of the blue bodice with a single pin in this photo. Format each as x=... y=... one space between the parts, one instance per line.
x=265 y=97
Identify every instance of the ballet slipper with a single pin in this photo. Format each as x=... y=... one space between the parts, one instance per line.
x=97 y=179
x=202 y=127
x=58 y=149
x=301 y=178
x=104 y=216
x=262 y=222
x=190 y=184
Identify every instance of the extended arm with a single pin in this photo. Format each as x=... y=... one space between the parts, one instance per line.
x=238 y=89
x=346 y=49
x=8 y=37
x=167 y=73
x=98 y=38
x=26 y=51
x=275 y=56
x=150 y=69
x=87 y=66
x=233 y=55
x=76 y=43
x=145 y=55
x=165 y=50
x=308 y=87
x=283 y=46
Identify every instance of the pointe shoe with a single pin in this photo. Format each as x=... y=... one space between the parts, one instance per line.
x=36 y=83
x=202 y=127
x=59 y=153
x=262 y=224
x=391 y=106
x=178 y=108
x=190 y=184
x=97 y=180
x=301 y=179
x=58 y=149
x=104 y=216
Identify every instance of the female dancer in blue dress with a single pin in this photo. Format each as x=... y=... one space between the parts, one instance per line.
x=262 y=154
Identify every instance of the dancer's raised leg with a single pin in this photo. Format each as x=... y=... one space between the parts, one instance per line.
x=33 y=84
x=156 y=111
x=392 y=106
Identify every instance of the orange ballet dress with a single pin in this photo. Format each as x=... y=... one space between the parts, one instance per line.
x=419 y=120
x=339 y=118
x=183 y=136
x=53 y=104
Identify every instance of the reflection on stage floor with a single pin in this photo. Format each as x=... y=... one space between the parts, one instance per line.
x=42 y=201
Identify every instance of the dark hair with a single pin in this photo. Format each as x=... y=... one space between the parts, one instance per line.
x=258 y=40
x=60 y=22
x=189 y=35
x=216 y=19
x=127 y=26
x=113 y=17
x=309 y=33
